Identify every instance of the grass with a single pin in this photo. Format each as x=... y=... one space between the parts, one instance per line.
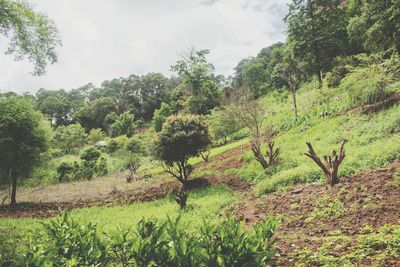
x=203 y=204
x=374 y=140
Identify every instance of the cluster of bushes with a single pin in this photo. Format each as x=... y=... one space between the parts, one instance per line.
x=92 y=163
x=69 y=243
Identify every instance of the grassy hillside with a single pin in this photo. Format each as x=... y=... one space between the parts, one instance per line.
x=326 y=116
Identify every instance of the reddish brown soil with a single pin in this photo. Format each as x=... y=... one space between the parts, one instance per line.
x=231 y=159
x=368 y=199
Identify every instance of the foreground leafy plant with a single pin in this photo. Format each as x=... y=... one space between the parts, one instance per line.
x=70 y=243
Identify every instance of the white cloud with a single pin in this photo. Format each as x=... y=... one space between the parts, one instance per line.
x=107 y=39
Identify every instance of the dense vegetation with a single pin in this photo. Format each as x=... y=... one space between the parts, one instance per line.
x=326 y=85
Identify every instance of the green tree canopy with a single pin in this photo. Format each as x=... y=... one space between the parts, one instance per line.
x=377 y=26
x=317 y=33
x=182 y=137
x=24 y=136
x=32 y=34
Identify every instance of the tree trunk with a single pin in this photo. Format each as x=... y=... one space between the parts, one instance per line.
x=258 y=155
x=320 y=82
x=294 y=103
x=14 y=190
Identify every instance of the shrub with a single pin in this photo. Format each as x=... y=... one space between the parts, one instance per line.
x=90 y=154
x=96 y=135
x=102 y=166
x=228 y=243
x=160 y=115
x=68 y=243
x=67 y=171
x=70 y=137
x=112 y=146
x=134 y=145
x=92 y=163
x=124 y=125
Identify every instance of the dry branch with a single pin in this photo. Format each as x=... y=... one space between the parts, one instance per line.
x=330 y=164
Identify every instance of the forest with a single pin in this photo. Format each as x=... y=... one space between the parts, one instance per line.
x=294 y=160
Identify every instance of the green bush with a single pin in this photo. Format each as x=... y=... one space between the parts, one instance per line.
x=90 y=154
x=112 y=146
x=68 y=243
x=135 y=145
x=168 y=244
x=96 y=135
x=102 y=166
x=67 y=171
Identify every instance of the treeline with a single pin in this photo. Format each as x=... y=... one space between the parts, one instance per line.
x=196 y=90
x=321 y=36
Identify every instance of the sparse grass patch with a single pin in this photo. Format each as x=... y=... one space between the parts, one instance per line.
x=327 y=208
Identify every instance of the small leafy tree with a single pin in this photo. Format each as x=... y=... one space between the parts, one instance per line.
x=222 y=124
x=96 y=135
x=70 y=137
x=89 y=159
x=182 y=137
x=160 y=115
x=124 y=124
x=24 y=136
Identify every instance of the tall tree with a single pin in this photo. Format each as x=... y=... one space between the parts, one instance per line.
x=377 y=26
x=317 y=33
x=24 y=136
x=199 y=87
x=32 y=34
x=290 y=72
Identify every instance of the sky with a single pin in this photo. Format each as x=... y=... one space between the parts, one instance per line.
x=104 y=39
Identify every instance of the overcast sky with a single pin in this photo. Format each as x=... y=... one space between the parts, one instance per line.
x=110 y=39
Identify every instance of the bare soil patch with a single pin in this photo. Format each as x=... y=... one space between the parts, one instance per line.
x=368 y=199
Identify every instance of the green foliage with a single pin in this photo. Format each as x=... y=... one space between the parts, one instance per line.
x=24 y=137
x=32 y=34
x=95 y=135
x=373 y=138
x=315 y=45
x=377 y=247
x=124 y=125
x=327 y=208
x=222 y=125
x=135 y=145
x=92 y=115
x=199 y=90
x=160 y=116
x=377 y=25
x=182 y=137
x=112 y=146
x=102 y=166
x=12 y=246
x=67 y=171
x=257 y=73
x=68 y=243
x=70 y=138
x=90 y=154
x=368 y=84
